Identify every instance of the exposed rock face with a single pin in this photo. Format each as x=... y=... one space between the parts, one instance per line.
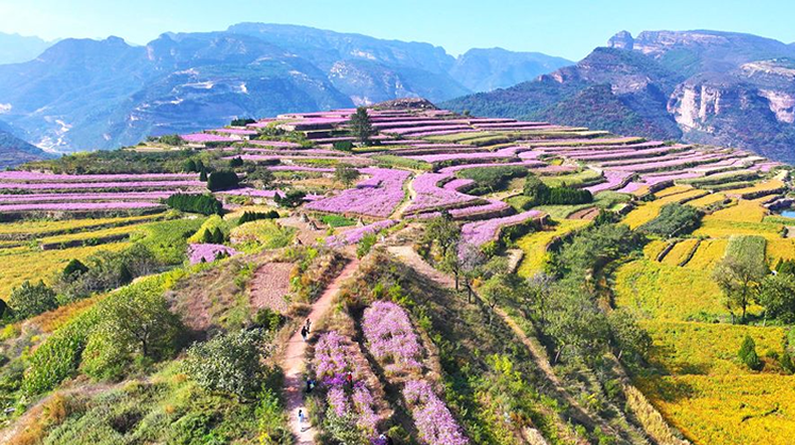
x=702 y=86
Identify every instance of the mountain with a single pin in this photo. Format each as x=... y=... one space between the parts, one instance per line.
x=15 y=151
x=699 y=86
x=102 y=94
x=15 y=48
x=488 y=69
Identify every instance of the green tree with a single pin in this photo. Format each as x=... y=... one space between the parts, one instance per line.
x=346 y=174
x=189 y=166
x=747 y=354
x=443 y=233
x=218 y=236
x=738 y=276
x=578 y=328
x=290 y=199
x=229 y=363
x=222 y=180
x=495 y=290
x=361 y=127
x=28 y=299
x=236 y=162
x=203 y=175
x=536 y=190
x=777 y=294
x=136 y=326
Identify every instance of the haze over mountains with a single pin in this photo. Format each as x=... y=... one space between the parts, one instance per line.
x=699 y=86
x=87 y=94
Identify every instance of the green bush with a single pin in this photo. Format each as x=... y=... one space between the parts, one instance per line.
x=229 y=363
x=28 y=299
x=203 y=204
x=541 y=194
x=748 y=354
x=291 y=199
x=236 y=162
x=222 y=180
x=241 y=122
x=365 y=244
x=346 y=146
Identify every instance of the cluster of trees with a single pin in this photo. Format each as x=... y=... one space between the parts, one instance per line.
x=254 y=216
x=674 y=220
x=541 y=194
x=745 y=280
x=168 y=139
x=213 y=236
x=203 y=204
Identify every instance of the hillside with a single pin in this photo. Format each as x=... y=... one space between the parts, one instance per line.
x=441 y=279
x=88 y=94
x=15 y=48
x=15 y=151
x=698 y=86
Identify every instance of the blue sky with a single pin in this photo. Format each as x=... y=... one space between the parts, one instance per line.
x=567 y=28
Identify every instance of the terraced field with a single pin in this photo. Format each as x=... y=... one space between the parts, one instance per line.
x=304 y=195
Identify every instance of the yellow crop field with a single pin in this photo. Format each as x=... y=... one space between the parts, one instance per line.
x=666 y=292
x=709 y=252
x=46 y=226
x=680 y=252
x=708 y=395
x=648 y=211
x=780 y=249
x=35 y=264
x=534 y=245
x=707 y=200
x=726 y=410
x=766 y=186
x=654 y=248
x=747 y=211
x=673 y=190
x=708 y=348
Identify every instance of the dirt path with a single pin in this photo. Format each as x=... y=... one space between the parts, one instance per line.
x=411 y=258
x=398 y=213
x=294 y=359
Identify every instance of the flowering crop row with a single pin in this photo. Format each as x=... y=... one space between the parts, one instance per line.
x=391 y=338
x=433 y=419
x=100 y=185
x=206 y=137
x=431 y=197
x=480 y=232
x=353 y=236
x=57 y=197
x=198 y=253
x=381 y=195
x=25 y=176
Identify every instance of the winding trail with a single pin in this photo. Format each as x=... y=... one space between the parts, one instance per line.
x=293 y=362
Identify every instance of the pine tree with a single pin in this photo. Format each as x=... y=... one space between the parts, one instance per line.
x=218 y=236
x=203 y=175
x=361 y=127
x=207 y=237
x=748 y=354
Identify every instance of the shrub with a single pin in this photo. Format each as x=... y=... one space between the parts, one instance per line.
x=236 y=162
x=343 y=146
x=748 y=354
x=254 y=216
x=203 y=204
x=171 y=139
x=28 y=299
x=222 y=180
x=228 y=363
x=73 y=270
x=365 y=244
x=268 y=319
x=541 y=194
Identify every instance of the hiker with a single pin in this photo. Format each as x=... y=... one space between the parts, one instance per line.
x=308 y=325
x=301 y=419
x=310 y=385
x=349 y=379
x=304 y=333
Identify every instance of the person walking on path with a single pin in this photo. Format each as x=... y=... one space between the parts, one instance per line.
x=301 y=419
x=308 y=325
x=304 y=333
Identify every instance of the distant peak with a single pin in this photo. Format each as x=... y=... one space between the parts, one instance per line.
x=622 y=40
